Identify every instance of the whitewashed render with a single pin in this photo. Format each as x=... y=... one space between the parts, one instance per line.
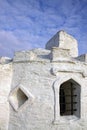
x=45 y=88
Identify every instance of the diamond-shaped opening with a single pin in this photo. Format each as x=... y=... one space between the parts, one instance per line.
x=18 y=98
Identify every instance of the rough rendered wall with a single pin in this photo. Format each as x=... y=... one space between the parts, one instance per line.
x=35 y=77
x=5 y=84
x=41 y=80
x=38 y=113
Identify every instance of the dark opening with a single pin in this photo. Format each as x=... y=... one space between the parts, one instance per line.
x=69 y=98
x=62 y=101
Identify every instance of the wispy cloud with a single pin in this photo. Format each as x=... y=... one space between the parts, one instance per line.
x=28 y=24
x=8 y=43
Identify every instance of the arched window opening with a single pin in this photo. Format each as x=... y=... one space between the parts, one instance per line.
x=69 y=97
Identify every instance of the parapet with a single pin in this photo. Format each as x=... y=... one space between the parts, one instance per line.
x=65 y=41
x=40 y=55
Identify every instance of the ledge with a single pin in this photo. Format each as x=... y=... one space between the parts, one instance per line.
x=65 y=120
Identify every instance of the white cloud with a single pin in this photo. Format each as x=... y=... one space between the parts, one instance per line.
x=8 y=43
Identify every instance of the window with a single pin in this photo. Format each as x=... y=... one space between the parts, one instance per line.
x=69 y=98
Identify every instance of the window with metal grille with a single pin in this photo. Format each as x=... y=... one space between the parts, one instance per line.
x=69 y=98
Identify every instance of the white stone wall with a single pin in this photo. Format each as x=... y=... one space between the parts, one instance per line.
x=5 y=85
x=38 y=113
x=37 y=80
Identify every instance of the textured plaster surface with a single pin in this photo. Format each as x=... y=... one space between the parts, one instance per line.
x=5 y=85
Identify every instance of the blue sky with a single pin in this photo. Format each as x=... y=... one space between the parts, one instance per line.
x=27 y=24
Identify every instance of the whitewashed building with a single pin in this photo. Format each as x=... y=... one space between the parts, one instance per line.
x=45 y=88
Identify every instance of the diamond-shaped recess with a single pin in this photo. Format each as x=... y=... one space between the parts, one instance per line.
x=19 y=96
